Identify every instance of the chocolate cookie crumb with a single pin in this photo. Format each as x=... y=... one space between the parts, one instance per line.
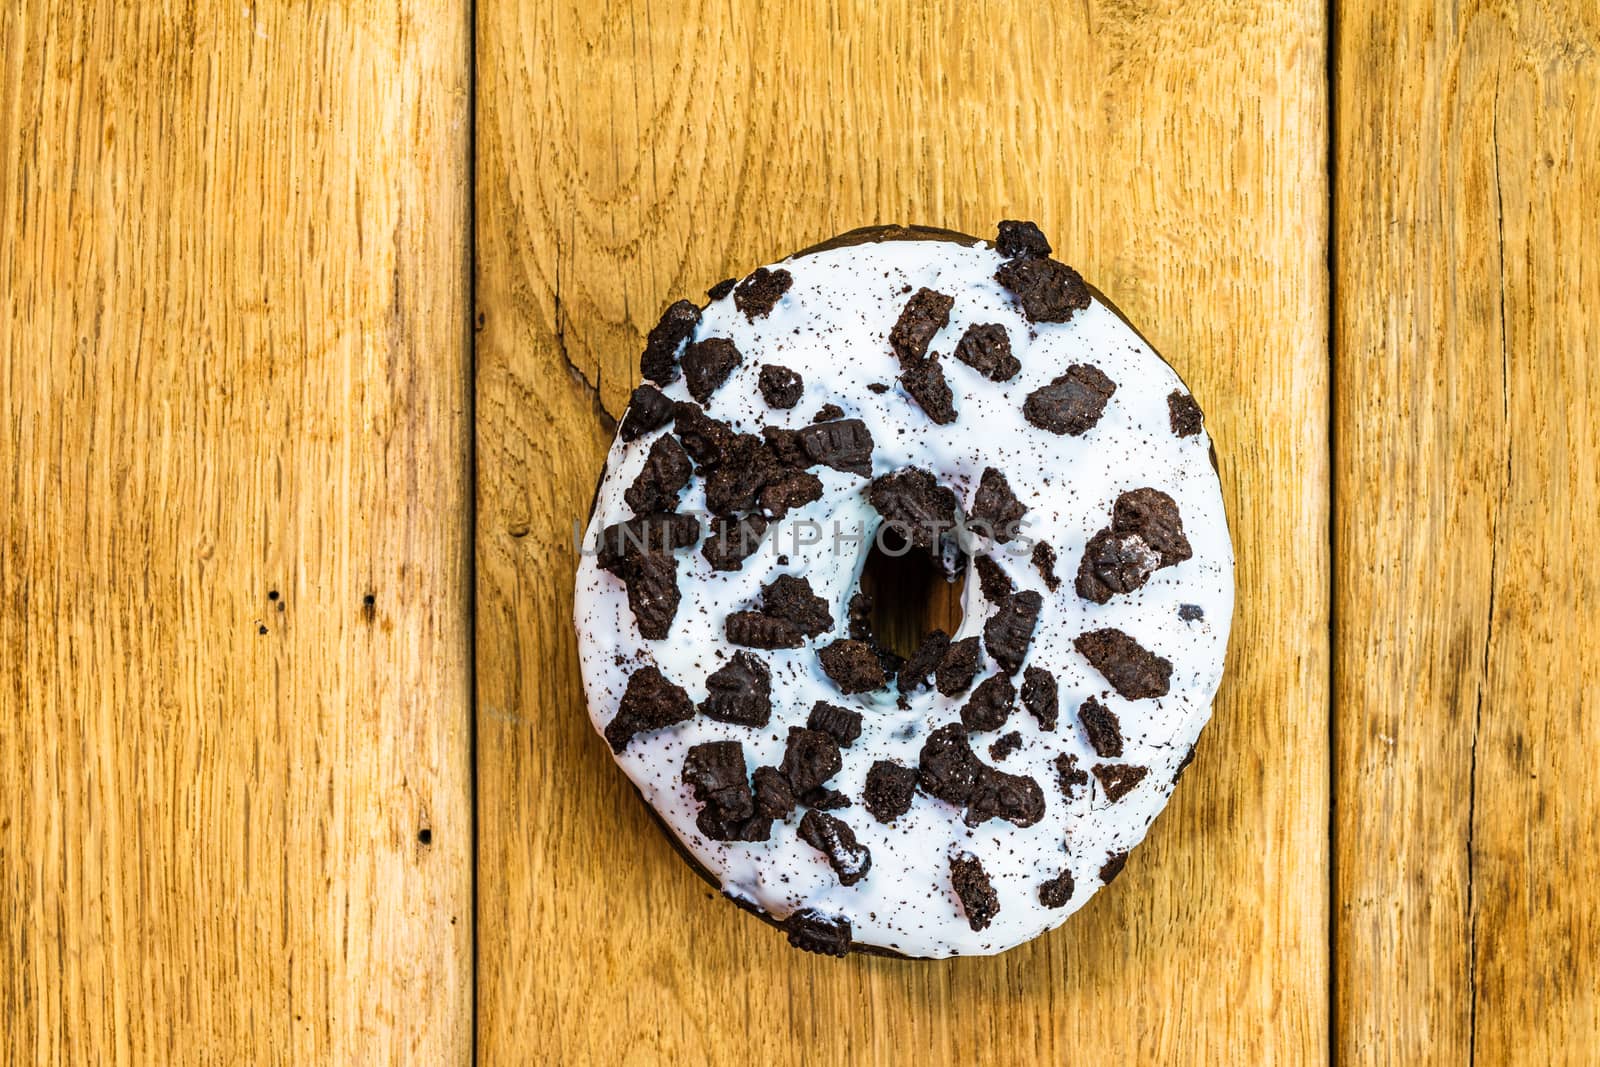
x=852 y=666
x=652 y=583
x=648 y=410
x=1005 y=746
x=733 y=540
x=1191 y=612
x=659 y=363
x=755 y=629
x=739 y=692
x=707 y=364
x=996 y=506
x=1039 y=696
x=774 y=796
x=780 y=386
x=1102 y=727
x=650 y=702
x=790 y=490
x=996 y=794
x=1055 y=892
x=715 y=774
x=810 y=758
x=916 y=504
x=990 y=704
x=1044 y=561
x=924 y=315
x=1153 y=516
x=946 y=766
x=828 y=413
x=704 y=438
x=959 y=666
x=1113 y=866
x=878 y=387
x=1072 y=403
x=1114 y=563
x=1020 y=238
x=845 y=445
x=841 y=724
x=666 y=471
x=925 y=382
x=1049 y=291
x=889 y=789
x=1118 y=779
x=929 y=654
x=833 y=837
x=661 y=532
x=825 y=799
x=992 y=580
x=986 y=348
x=1184 y=414
x=790 y=597
x=722 y=288
x=812 y=931
x=760 y=292
x=1132 y=670
x=972 y=886
x=1069 y=776
x=1008 y=633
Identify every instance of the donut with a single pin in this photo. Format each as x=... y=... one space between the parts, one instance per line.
x=922 y=391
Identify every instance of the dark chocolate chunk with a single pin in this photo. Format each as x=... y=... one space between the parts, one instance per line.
x=853 y=666
x=812 y=931
x=1191 y=612
x=755 y=629
x=760 y=292
x=977 y=895
x=735 y=483
x=660 y=358
x=986 y=349
x=833 y=837
x=990 y=704
x=924 y=315
x=780 y=386
x=960 y=665
x=649 y=703
x=1153 y=515
x=652 y=582
x=1069 y=776
x=1072 y=403
x=877 y=387
x=722 y=288
x=1044 y=561
x=790 y=597
x=919 y=507
x=623 y=541
x=1132 y=670
x=703 y=437
x=929 y=654
x=924 y=380
x=1102 y=727
x=1048 y=291
x=733 y=540
x=791 y=489
x=841 y=724
x=998 y=795
x=1008 y=633
x=810 y=758
x=1113 y=866
x=992 y=580
x=1055 y=892
x=828 y=413
x=1184 y=414
x=1183 y=765
x=997 y=507
x=774 y=796
x=1039 y=696
x=715 y=774
x=824 y=799
x=1019 y=238
x=740 y=692
x=1005 y=745
x=889 y=789
x=648 y=409
x=707 y=364
x=1114 y=563
x=1118 y=779
x=946 y=766
x=666 y=471
x=845 y=445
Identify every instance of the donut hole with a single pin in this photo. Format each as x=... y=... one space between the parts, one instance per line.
x=911 y=593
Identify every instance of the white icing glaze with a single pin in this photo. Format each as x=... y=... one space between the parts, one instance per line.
x=832 y=327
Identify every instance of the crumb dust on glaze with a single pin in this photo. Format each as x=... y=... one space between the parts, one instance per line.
x=831 y=326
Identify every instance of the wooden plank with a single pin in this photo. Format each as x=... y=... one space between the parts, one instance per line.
x=1467 y=815
x=233 y=315
x=627 y=156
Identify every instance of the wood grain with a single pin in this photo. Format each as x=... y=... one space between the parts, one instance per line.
x=629 y=155
x=1467 y=814
x=232 y=310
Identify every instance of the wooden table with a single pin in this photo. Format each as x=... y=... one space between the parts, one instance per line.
x=316 y=319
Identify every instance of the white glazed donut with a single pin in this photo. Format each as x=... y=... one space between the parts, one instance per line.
x=987 y=402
